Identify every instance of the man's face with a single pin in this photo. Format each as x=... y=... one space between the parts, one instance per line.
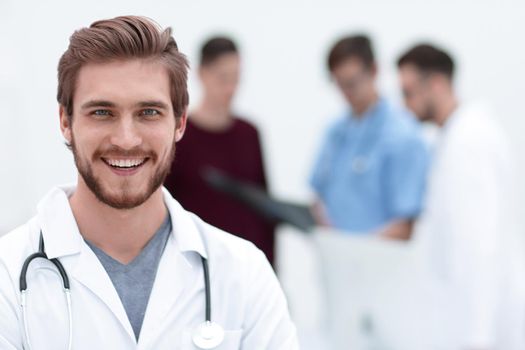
x=417 y=92
x=220 y=78
x=123 y=130
x=355 y=81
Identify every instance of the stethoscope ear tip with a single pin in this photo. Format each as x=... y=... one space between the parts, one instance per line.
x=208 y=335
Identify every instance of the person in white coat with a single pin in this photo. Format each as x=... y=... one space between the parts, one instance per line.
x=120 y=264
x=467 y=232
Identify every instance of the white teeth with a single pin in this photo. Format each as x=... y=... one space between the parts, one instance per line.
x=125 y=163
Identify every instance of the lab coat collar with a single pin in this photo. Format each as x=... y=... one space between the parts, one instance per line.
x=62 y=237
x=57 y=223
x=174 y=274
x=184 y=228
x=452 y=118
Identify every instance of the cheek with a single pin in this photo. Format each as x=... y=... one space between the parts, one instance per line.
x=84 y=141
x=413 y=103
x=164 y=138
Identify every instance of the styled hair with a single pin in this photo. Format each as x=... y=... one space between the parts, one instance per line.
x=356 y=46
x=428 y=59
x=123 y=38
x=215 y=47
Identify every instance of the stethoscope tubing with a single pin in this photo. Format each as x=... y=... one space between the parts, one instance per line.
x=41 y=254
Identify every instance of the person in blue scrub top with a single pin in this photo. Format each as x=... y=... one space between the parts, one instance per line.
x=370 y=173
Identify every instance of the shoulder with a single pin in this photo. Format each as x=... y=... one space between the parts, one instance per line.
x=245 y=279
x=401 y=129
x=337 y=127
x=246 y=131
x=18 y=241
x=474 y=131
x=400 y=122
x=243 y=125
x=15 y=247
x=475 y=122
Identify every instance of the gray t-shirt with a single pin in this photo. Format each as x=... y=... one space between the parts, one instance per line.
x=134 y=281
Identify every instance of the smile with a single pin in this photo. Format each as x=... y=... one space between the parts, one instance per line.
x=125 y=163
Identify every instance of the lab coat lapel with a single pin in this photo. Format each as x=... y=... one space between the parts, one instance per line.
x=176 y=272
x=174 y=275
x=90 y=272
x=63 y=240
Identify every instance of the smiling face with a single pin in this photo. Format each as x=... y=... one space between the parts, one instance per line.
x=123 y=130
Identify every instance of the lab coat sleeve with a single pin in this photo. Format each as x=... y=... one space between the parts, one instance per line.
x=267 y=324
x=475 y=217
x=10 y=335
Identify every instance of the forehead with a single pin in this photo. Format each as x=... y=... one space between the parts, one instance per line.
x=349 y=66
x=409 y=73
x=123 y=81
x=225 y=61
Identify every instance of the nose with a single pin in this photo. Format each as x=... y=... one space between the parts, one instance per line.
x=126 y=134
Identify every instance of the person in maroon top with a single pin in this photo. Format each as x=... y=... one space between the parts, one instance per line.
x=215 y=137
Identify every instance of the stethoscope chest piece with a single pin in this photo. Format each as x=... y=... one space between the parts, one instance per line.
x=208 y=335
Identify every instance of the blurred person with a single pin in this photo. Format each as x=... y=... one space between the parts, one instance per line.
x=467 y=230
x=216 y=137
x=114 y=262
x=370 y=172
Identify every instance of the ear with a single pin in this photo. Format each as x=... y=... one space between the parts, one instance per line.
x=65 y=124
x=180 y=126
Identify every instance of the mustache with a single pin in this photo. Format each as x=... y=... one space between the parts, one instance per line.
x=115 y=152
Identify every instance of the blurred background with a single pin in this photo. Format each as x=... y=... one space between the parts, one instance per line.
x=285 y=90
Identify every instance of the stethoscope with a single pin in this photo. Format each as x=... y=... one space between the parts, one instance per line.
x=207 y=335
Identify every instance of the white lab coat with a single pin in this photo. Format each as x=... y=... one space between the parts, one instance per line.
x=246 y=299
x=468 y=240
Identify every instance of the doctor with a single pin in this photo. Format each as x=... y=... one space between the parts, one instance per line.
x=467 y=232
x=370 y=171
x=140 y=271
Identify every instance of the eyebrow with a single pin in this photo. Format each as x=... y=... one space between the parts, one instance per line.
x=143 y=104
x=97 y=103
x=153 y=103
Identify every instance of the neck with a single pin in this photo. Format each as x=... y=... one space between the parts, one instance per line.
x=444 y=109
x=360 y=110
x=122 y=234
x=212 y=116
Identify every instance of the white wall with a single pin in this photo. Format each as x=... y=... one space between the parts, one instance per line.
x=285 y=89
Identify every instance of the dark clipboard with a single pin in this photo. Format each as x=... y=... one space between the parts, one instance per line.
x=298 y=215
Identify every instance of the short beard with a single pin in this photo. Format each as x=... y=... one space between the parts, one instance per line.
x=125 y=200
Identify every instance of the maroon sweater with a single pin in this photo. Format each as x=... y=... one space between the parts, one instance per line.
x=236 y=152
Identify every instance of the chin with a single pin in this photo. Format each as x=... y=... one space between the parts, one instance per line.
x=125 y=200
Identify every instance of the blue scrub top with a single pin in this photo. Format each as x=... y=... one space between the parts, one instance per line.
x=371 y=170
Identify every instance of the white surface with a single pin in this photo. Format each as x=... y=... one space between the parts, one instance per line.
x=337 y=284
x=347 y=281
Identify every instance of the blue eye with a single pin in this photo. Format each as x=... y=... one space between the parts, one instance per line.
x=101 y=112
x=150 y=112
